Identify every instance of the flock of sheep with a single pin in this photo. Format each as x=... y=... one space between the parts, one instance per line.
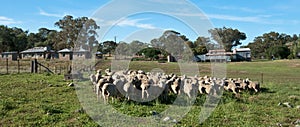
x=146 y=86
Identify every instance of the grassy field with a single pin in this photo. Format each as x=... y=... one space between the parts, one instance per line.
x=46 y=100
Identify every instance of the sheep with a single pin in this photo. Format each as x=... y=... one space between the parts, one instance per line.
x=243 y=85
x=98 y=75
x=100 y=84
x=109 y=72
x=160 y=85
x=253 y=85
x=207 y=88
x=94 y=82
x=157 y=91
x=109 y=89
x=128 y=89
x=163 y=85
x=175 y=86
x=189 y=87
x=231 y=86
x=202 y=87
x=145 y=85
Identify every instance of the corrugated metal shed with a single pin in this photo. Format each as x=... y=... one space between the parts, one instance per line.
x=36 y=50
x=64 y=50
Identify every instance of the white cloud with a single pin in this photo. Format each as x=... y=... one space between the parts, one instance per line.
x=244 y=9
x=7 y=21
x=255 y=19
x=177 y=2
x=135 y=23
x=44 y=13
x=126 y=22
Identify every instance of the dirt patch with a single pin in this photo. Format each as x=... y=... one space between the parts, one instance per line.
x=296 y=65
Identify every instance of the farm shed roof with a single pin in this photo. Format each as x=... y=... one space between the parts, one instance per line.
x=36 y=49
x=8 y=53
x=81 y=50
x=98 y=53
x=243 y=49
x=64 y=50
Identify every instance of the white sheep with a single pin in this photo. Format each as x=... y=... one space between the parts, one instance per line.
x=253 y=85
x=189 y=87
x=109 y=90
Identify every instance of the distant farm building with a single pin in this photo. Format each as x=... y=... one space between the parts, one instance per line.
x=39 y=53
x=99 y=55
x=9 y=56
x=65 y=54
x=81 y=54
x=240 y=54
x=68 y=54
x=218 y=55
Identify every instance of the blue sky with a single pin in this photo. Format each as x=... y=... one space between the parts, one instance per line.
x=118 y=19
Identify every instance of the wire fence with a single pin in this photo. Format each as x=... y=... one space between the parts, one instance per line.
x=39 y=66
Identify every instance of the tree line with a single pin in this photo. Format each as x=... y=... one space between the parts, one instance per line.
x=81 y=31
x=72 y=32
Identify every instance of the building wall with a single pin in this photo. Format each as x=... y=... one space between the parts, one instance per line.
x=33 y=55
x=9 y=56
x=246 y=55
x=81 y=55
x=65 y=56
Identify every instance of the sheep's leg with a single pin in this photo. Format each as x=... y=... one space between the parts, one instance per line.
x=104 y=97
x=143 y=90
x=147 y=93
x=207 y=90
x=200 y=90
x=98 y=93
x=95 y=87
x=234 y=90
x=127 y=96
x=174 y=89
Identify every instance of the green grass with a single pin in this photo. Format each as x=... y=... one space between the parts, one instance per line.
x=46 y=100
x=39 y=100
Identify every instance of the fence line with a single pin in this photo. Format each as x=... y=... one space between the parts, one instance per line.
x=52 y=66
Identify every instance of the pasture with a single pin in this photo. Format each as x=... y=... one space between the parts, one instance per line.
x=46 y=100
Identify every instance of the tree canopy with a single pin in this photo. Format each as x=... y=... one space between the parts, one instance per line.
x=227 y=37
x=76 y=32
x=268 y=43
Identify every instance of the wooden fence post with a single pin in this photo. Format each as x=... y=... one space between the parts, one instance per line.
x=7 y=65
x=18 y=66
x=32 y=66
x=262 y=78
x=35 y=66
x=40 y=68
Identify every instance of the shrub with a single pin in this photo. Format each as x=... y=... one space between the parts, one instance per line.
x=291 y=56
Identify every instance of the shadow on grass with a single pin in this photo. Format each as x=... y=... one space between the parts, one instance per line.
x=266 y=90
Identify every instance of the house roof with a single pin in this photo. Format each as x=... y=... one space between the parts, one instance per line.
x=217 y=50
x=35 y=50
x=9 y=53
x=98 y=53
x=81 y=50
x=64 y=50
x=243 y=49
